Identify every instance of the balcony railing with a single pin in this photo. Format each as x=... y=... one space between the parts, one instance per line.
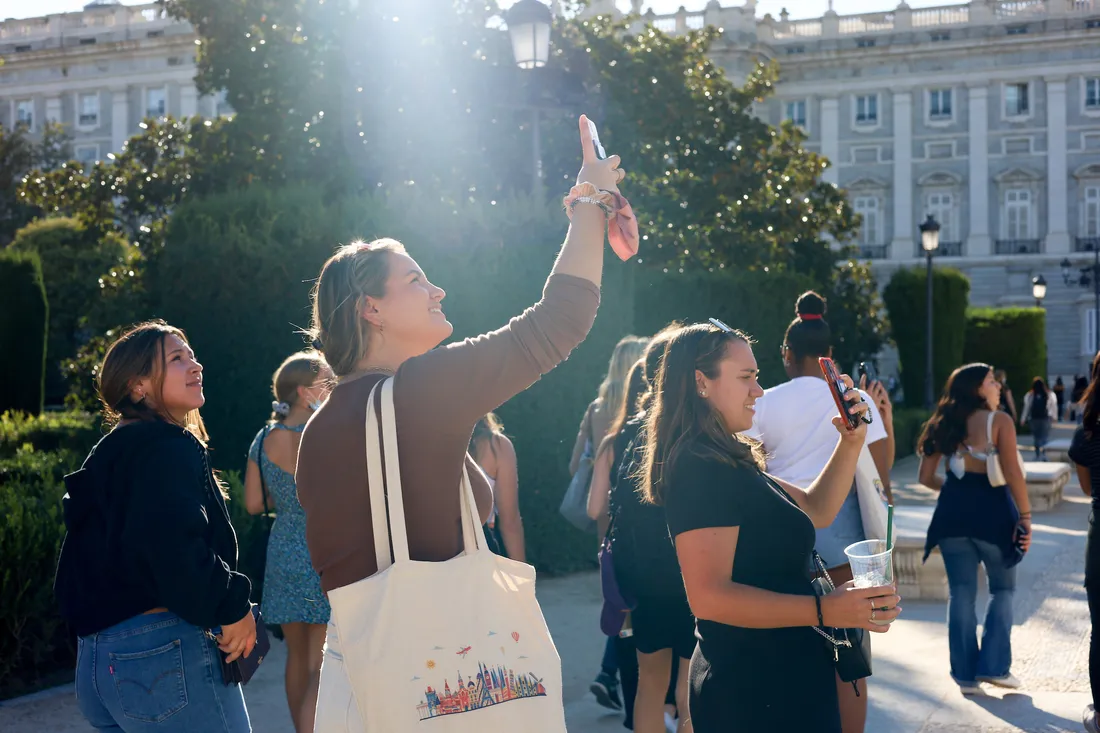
x=1018 y=246
x=873 y=251
x=1086 y=244
x=946 y=249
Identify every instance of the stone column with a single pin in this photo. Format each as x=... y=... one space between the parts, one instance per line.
x=189 y=100
x=901 y=248
x=978 y=241
x=830 y=138
x=120 y=118
x=1058 y=239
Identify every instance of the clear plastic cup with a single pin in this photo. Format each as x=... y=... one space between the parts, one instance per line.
x=871 y=565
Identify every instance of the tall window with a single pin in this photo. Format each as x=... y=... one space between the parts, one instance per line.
x=868 y=209
x=24 y=112
x=1091 y=223
x=1018 y=214
x=867 y=109
x=89 y=110
x=1016 y=100
x=796 y=112
x=156 y=102
x=942 y=206
x=86 y=154
x=939 y=104
x=1088 y=333
x=1092 y=93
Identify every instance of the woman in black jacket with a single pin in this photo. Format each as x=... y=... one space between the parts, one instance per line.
x=148 y=566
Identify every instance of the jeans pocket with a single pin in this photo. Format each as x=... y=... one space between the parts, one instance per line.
x=150 y=684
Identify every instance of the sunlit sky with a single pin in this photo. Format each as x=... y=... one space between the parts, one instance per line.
x=797 y=8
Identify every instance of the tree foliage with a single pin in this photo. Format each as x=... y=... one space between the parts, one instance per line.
x=19 y=154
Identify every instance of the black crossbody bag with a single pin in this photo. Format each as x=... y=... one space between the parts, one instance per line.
x=851 y=647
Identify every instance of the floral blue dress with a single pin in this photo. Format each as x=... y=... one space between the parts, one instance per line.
x=292 y=589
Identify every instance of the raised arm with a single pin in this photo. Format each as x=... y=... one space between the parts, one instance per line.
x=464 y=381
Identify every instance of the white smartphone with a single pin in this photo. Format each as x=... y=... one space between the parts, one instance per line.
x=596 y=140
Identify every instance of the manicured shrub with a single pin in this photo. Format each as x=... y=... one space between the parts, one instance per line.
x=73 y=260
x=71 y=430
x=906 y=301
x=1013 y=339
x=24 y=317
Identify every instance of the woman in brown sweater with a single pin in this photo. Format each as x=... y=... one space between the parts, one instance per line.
x=375 y=314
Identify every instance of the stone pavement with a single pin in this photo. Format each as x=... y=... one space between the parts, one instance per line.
x=910 y=692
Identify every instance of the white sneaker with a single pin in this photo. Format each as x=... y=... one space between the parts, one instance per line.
x=1008 y=681
x=1088 y=719
x=971 y=689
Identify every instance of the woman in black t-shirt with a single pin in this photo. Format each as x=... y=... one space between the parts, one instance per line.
x=744 y=540
x=1084 y=451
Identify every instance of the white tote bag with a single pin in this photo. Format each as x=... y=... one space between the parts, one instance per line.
x=448 y=647
x=872 y=497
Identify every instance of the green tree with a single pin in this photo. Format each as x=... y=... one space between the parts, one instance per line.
x=73 y=263
x=20 y=154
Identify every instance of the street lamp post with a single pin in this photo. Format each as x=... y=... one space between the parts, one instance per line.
x=529 y=23
x=1039 y=289
x=929 y=242
x=1089 y=276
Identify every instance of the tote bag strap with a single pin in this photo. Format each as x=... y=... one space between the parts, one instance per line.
x=386 y=493
x=376 y=485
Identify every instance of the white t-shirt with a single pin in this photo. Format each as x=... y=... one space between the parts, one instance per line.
x=794 y=422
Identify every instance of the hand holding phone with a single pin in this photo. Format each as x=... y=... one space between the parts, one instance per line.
x=839 y=390
x=867 y=370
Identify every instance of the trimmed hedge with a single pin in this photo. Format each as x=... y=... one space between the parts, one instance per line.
x=34 y=642
x=73 y=260
x=908 y=423
x=23 y=330
x=906 y=300
x=759 y=303
x=1013 y=339
x=73 y=431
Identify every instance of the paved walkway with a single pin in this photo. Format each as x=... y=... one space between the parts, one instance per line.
x=910 y=692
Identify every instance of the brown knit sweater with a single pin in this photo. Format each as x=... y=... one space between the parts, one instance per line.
x=438 y=397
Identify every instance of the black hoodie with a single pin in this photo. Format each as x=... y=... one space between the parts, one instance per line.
x=148 y=528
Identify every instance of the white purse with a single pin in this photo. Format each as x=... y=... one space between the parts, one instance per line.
x=462 y=643
x=993 y=467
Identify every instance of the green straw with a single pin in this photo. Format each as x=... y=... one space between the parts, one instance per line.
x=889 y=526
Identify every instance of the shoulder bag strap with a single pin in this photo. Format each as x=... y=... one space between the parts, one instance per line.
x=991 y=447
x=386 y=492
x=260 y=465
x=376 y=485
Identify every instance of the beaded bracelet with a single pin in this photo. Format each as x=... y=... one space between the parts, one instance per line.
x=587 y=193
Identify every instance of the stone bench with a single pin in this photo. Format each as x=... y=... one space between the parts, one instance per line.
x=927 y=581
x=1057 y=449
x=1045 y=482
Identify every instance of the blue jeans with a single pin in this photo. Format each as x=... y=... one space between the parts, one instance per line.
x=993 y=658
x=156 y=672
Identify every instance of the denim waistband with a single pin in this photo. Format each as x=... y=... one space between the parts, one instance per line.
x=136 y=625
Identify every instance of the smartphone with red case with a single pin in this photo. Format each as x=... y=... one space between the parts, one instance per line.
x=838 y=388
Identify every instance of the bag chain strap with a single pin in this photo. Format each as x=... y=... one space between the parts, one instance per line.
x=835 y=642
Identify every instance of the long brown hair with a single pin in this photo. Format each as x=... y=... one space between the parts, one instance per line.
x=635 y=387
x=680 y=420
x=136 y=354
x=353 y=273
x=947 y=428
x=1091 y=400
